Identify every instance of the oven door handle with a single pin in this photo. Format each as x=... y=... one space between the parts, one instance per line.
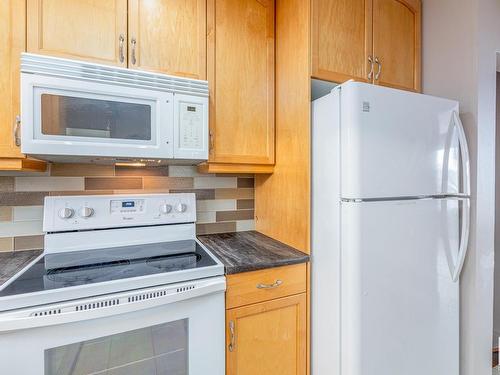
x=108 y=305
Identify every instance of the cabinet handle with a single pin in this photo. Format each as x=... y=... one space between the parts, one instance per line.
x=17 y=127
x=232 y=343
x=377 y=75
x=370 y=75
x=133 y=42
x=121 y=40
x=211 y=135
x=276 y=284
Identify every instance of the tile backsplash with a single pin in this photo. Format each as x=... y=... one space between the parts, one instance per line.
x=225 y=203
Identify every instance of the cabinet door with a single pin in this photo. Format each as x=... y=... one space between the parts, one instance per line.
x=168 y=36
x=397 y=43
x=93 y=30
x=12 y=43
x=241 y=80
x=267 y=338
x=341 y=39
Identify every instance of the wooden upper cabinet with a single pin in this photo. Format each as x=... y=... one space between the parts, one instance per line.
x=397 y=42
x=267 y=338
x=12 y=43
x=241 y=80
x=168 y=36
x=341 y=39
x=348 y=34
x=93 y=30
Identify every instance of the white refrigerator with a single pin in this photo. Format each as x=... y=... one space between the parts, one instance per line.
x=390 y=226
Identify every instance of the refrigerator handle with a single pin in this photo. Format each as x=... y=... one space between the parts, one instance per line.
x=464 y=233
x=464 y=239
x=464 y=153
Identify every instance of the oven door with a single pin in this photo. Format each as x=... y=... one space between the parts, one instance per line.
x=175 y=329
x=69 y=117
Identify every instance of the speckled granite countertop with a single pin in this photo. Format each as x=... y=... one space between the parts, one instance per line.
x=13 y=262
x=250 y=251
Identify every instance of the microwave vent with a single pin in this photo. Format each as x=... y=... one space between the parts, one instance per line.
x=82 y=70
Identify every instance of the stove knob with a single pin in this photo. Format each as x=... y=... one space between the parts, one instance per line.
x=66 y=213
x=181 y=207
x=165 y=208
x=86 y=212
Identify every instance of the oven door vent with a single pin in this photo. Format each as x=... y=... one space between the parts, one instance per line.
x=97 y=305
x=46 y=312
x=158 y=293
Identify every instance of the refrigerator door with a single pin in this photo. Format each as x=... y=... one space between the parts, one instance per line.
x=399 y=302
x=397 y=144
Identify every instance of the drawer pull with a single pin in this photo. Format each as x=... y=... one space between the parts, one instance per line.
x=276 y=284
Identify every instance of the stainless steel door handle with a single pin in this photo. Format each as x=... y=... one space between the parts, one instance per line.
x=232 y=338
x=276 y=284
x=121 y=41
x=377 y=61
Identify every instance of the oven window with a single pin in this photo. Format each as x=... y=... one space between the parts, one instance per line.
x=158 y=350
x=96 y=118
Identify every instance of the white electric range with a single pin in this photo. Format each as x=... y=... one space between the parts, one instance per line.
x=122 y=287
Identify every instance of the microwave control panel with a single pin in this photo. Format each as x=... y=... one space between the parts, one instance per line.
x=191 y=127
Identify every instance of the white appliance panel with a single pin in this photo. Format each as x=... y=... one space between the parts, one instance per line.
x=400 y=305
x=325 y=235
x=128 y=336
x=68 y=213
x=396 y=143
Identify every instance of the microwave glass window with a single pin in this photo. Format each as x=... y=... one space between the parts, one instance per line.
x=160 y=349
x=96 y=118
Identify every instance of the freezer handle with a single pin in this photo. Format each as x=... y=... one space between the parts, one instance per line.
x=464 y=153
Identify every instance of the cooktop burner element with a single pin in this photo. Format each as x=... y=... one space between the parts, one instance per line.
x=39 y=278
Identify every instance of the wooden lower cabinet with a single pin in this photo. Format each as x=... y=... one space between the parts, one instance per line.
x=267 y=338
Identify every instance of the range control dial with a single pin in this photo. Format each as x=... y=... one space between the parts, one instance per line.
x=86 y=212
x=165 y=208
x=66 y=213
x=181 y=207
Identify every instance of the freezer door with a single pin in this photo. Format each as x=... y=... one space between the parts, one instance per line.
x=396 y=143
x=399 y=303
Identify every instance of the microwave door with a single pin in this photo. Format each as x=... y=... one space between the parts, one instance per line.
x=71 y=118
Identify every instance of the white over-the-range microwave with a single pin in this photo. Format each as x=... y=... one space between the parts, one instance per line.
x=75 y=111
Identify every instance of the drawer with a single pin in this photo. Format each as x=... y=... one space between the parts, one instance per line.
x=263 y=285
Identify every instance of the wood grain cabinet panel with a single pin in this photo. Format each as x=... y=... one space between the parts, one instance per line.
x=241 y=80
x=397 y=42
x=93 y=30
x=168 y=36
x=12 y=43
x=341 y=39
x=262 y=285
x=267 y=338
x=375 y=41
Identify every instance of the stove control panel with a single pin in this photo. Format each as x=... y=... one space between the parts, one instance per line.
x=116 y=211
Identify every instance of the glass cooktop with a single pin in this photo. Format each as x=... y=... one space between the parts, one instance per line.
x=76 y=268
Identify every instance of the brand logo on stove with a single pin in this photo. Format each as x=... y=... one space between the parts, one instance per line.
x=127 y=218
